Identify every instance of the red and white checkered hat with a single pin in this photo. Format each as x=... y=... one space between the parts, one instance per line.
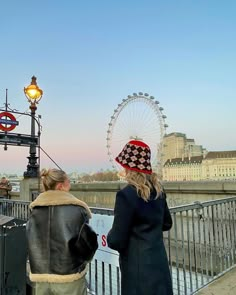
x=136 y=155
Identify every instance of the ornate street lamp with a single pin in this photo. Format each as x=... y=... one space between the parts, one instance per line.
x=33 y=93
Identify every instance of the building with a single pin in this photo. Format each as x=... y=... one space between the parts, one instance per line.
x=184 y=160
x=180 y=169
x=217 y=166
x=177 y=145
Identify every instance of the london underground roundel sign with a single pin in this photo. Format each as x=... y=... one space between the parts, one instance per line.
x=8 y=120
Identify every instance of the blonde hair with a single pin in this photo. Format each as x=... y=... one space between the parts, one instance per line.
x=51 y=177
x=143 y=183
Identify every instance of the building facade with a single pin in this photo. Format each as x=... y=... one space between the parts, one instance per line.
x=181 y=169
x=177 y=145
x=220 y=165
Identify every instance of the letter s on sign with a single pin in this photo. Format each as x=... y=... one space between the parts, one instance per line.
x=104 y=240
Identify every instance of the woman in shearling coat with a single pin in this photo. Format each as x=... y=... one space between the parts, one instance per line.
x=141 y=215
x=58 y=259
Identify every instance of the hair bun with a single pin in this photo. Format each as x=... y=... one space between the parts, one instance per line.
x=44 y=172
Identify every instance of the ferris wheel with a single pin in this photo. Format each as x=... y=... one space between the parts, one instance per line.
x=140 y=117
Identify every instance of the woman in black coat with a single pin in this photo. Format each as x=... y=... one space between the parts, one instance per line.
x=141 y=215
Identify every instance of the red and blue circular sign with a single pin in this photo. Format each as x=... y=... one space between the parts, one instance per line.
x=9 y=123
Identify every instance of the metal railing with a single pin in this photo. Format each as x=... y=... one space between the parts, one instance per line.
x=201 y=243
x=200 y=246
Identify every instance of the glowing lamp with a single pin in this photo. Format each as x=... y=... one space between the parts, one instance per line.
x=33 y=92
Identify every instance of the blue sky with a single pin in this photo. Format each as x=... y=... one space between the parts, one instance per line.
x=89 y=55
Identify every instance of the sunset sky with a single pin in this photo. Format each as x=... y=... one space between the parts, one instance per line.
x=89 y=55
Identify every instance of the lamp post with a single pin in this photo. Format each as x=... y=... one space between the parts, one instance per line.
x=33 y=94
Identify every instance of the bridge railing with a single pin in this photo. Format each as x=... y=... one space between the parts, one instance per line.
x=200 y=246
x=202 y=243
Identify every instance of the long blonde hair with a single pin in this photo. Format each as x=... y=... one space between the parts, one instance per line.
x=51 y=177
x=143 y=183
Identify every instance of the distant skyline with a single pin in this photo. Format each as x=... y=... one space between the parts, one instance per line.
x=88 y=56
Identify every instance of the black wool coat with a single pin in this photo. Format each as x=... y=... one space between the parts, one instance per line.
x=137 y=234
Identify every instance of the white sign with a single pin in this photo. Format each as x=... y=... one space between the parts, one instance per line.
x=102 y=224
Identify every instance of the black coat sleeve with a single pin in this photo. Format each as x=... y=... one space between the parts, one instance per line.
x=167 y=219
x=118 y=236
x=86 y=243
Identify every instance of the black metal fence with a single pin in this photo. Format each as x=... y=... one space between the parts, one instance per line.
x=201 y=245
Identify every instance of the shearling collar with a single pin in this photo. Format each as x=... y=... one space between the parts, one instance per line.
x=56 y=197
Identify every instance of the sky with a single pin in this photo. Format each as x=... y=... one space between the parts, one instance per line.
x=89 y=55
